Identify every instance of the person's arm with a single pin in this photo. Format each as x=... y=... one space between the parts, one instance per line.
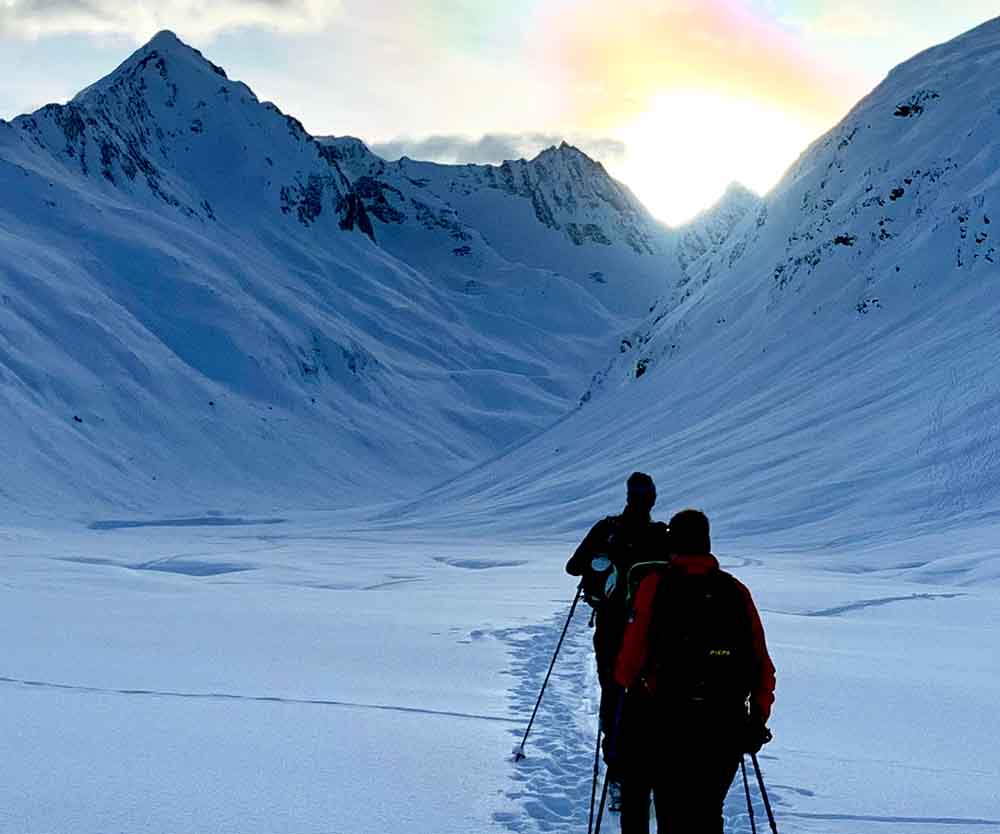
x=762 y=668
x=591 y=545
x=635 y=644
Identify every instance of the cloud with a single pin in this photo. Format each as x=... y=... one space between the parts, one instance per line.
x=140 y=19
x=616 y=56
x=494 y=147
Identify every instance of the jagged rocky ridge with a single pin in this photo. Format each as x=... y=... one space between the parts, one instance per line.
x=567 y=191
x=559 y=211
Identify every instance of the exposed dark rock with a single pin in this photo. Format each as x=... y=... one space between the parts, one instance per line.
x=353 y=215
x=587 y=232
x=374 y=192
x=914 y=106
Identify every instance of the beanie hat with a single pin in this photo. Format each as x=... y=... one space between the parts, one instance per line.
x=640 y=490
x=689 y=533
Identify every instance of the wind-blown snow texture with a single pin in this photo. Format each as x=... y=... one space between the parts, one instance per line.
x=210 y=320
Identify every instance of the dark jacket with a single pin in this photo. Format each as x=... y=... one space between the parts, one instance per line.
x=625 y=539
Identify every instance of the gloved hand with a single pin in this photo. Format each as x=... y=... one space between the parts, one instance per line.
x=756 y=734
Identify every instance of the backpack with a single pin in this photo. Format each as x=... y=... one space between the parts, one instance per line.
x=700 y=646
x=604 y=579
x=600 y=581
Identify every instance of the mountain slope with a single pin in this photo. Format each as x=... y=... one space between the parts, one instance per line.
x=560 y=211
x=197 y=308
x=833 y=368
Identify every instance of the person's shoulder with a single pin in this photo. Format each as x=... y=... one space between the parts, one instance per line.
x=607 y=523
x=738 y=587
x=599 y=532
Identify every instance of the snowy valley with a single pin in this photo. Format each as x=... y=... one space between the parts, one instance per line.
x=298 y=439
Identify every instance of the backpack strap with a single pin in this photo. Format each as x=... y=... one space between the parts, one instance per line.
x=637 y=571
x=633 y=654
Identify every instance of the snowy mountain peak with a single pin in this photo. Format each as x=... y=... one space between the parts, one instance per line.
x=737 y=191
x=566 y=150
x=165 y=39
x=713 y=227
x=573 y=193
x=169 y=126
x=165 y=55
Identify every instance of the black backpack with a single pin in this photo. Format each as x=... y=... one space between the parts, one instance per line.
x=604 y=580
x=700 y=642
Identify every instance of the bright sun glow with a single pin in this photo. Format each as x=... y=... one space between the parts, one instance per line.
x=689 y=145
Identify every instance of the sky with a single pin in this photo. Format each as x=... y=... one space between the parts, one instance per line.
x=678 y=98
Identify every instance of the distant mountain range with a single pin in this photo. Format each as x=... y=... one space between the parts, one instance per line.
x=204 y=306
x=202 y=303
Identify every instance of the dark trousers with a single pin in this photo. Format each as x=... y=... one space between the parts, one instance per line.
x=610 y=695
x=687 y=764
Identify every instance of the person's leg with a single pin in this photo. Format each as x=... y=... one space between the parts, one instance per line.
x=636 y=787
x=636 y=763
x=669 y=791
x=692 y=780
x=719 y=777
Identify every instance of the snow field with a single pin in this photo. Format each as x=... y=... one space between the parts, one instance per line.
x=333 y=676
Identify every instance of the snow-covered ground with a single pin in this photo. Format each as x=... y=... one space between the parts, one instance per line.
x=185 y=324
x=330 y=674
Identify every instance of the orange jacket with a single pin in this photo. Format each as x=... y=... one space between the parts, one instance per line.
x=632 y=657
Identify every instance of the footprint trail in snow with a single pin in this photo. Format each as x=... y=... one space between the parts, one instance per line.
x=551 y=786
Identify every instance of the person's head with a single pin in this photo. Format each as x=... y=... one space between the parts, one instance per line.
x=689 y=533
x=640 y=492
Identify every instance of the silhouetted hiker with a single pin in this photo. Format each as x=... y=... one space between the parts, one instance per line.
x=604 y=559
x=699 y=687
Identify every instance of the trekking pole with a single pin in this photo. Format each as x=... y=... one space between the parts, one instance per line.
x=604 y=797
x=593 y=784
x=746 y=789
x=763 y=794
x=519 y=750
x=612 y=754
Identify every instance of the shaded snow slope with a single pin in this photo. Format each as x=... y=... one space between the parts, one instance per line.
x=202 y=305
x=832 y=373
